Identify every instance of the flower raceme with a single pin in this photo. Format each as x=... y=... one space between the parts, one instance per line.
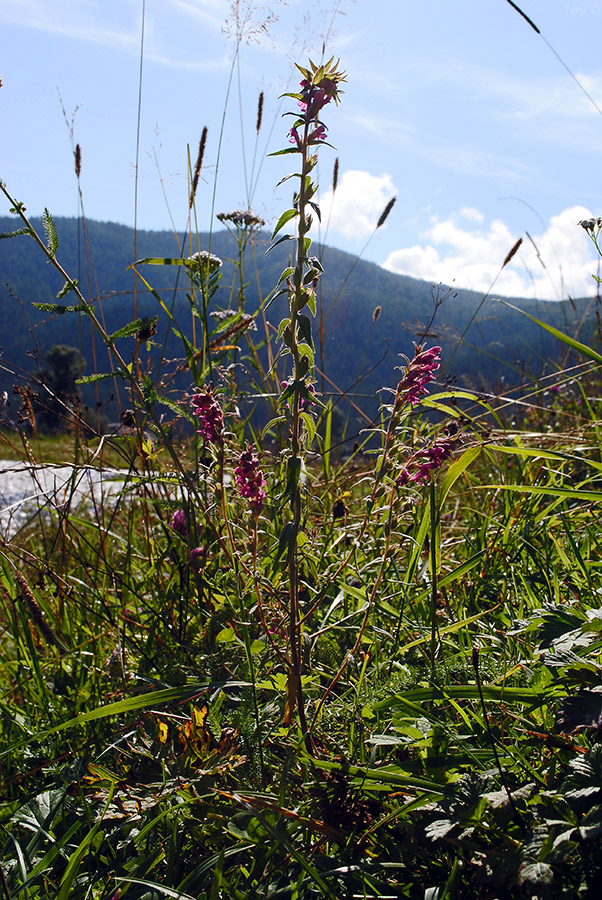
x=319 y=86
x=211 y=418
x=249 y=480
x=419 y=372
x=315 y=96
x=420 y=465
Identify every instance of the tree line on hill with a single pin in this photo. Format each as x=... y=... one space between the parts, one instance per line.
x=368 y=317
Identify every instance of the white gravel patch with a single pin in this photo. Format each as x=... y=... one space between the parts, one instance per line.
x=26 y=491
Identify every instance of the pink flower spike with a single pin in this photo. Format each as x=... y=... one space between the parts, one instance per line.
x=423 y=462
x=249 y=479
x=211 y=417
x=419 y=372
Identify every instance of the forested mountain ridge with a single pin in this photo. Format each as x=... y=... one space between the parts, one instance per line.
x=499 y=345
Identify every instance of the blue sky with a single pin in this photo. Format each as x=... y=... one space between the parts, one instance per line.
x=458 y=108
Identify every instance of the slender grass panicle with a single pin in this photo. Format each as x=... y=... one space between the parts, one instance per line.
x=35 y=610
x=385 y=213
x=259 y=112
x=198 y=165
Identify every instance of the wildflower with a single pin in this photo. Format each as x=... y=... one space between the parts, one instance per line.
x=318 y=134
x=242 y=218
x=419 y=372
x=423 y=462
x=197 y=557
x=210 y=415
x=249 y=479
x=591 y=224
x=293 y=137
x=314 y=97
x=205 y=260
x=178 y=522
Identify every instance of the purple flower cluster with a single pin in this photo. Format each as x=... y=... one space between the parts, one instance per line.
x=249 y=479
x=420 y=371
x=316 y=91
x=315 y=136
x=197 y=557
x=423 y=462
x=178 y=522
x=314 y=97
x=211 y=418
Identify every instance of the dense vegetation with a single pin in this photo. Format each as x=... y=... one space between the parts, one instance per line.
x=268 y=669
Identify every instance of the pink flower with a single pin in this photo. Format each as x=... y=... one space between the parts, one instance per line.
x=249 y=479
x=197 y=557
x=314 y=97
x=178 y=522
x=423 y=462
x=210 y=415
x=318 y=134
x=419 y=372
x=293 y=137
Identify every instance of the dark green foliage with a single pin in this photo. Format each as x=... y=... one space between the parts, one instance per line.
x=59 y=392
x=499 y=345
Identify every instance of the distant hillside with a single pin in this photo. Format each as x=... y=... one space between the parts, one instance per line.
x=500 y=344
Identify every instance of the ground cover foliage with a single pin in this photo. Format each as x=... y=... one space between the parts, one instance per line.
x=270 y=669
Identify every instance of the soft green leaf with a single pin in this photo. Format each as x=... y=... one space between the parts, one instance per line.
x=52 y=238
x=569 y=341
x=284 y=218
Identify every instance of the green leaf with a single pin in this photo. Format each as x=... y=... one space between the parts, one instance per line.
x=17 y=233
x=535 y=872
x=58 y=309
x=284 y=152
x=272 y=424
x=457 y=468
x=293 y=472
x=286 y=274
x=164 y=261
x=101 y=376
x=287 y=540
x=158 y=888
x=550 y=490
x=68 y=286
x=141 y=701
x=284 y=218
x=132 y=327
x=304 y=323
x=52 y=238
x=569 y=341
x=310 y=425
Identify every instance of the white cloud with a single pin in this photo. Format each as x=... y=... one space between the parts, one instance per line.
x=358 y=202
x=554 y=264
x=469 y=213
